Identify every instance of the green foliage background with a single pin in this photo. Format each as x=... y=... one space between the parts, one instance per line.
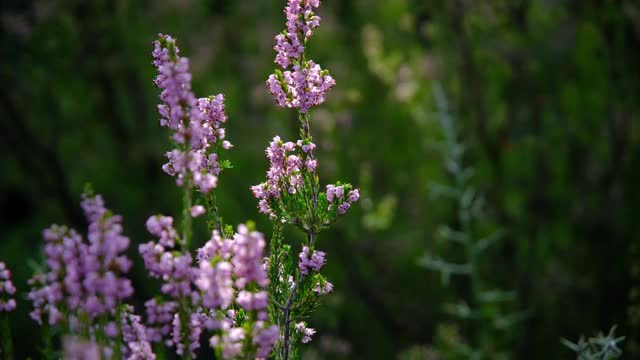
x=545 y=94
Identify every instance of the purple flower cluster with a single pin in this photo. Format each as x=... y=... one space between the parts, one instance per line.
x=306 y=332
x=336 y=197
x=174 y=268
x=194 y=327
x=7 y=290
x=134 y=336
x=197 y=122
x=78 y=349
x=304 y=87
x=83 y=277
x=248 y=252
x=306 y=84
x=289 y=163
x=229 y=268
x=229 y=271
x=216 y=271
x=159 y=316
x=301 y=20
x=264 y=337
x=102 y=260
x=285 y=174
x=323 y=289
x=310 y=259
x=178 y=274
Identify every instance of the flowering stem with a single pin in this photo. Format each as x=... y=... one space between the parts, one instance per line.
x=212 y=206
x=5 y=332
x=47 y=351
x=305 y=134
x=288 y=305
x=287 y=321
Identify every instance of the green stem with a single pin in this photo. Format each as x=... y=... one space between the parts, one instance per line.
x=7 y=342
x=47 y=351
x=186 y=216
x=214 y=213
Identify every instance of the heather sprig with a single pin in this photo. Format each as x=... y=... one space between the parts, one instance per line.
x=224 y=291
x=303 y=83
x=292 y=193
x=83 y=284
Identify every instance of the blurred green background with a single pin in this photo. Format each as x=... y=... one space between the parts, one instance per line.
x=545 y=96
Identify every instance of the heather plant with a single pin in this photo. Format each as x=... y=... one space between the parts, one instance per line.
x=81 y=290
x=247 y=304
x=292 y=193
x=481 y=310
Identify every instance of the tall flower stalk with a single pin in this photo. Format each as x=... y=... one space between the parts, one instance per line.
x=292 y=193
x=221 y=291
x=83 y=286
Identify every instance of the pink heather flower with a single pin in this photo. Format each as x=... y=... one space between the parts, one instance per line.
x=275 y=88
x=230 y=341
x=159 y=316
x=175 y=269
x=311 y=164
x=354 y=195
x=83 y=276
x=102 y=262
x=215 y=247
x=264 y=337
x=252 y=301
x=336 y=197
x=134 y=336
x=77 y=349
x=306 y=332
x=195 y=325
x=162 y=228
x=285 y=174
x=304 y=87
x=197 y=210
x=342 y=208
x=174 y=79
x=214 y=279
x=216 y=284
x=307 y=84
x=323 y=289
x=314 y=260
x=195 y=122
x=301 y=20
x=330 y=193
x=248 y=251
x=7 y=303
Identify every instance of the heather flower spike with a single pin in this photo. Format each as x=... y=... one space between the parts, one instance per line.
x=292 y=193
x=222 y=292
x=83 y=285
x=302 y=84
x=196 y=123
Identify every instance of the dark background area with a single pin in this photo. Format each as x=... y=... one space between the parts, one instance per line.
x=545 y=96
